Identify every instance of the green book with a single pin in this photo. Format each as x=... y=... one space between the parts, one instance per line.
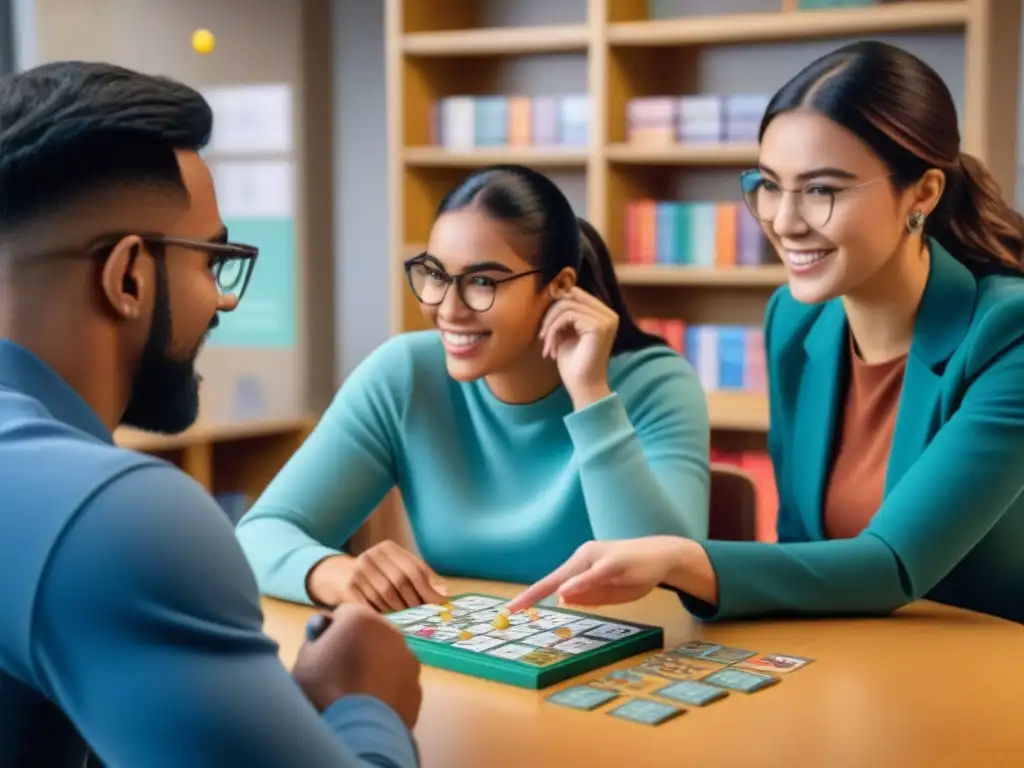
x=536 y=649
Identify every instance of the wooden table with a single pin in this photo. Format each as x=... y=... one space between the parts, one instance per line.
x=930 y=686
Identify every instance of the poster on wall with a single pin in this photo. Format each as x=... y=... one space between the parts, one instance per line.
x=250 y=119
x=257 y=202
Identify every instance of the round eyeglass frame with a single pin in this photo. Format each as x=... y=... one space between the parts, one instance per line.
x=459 y=280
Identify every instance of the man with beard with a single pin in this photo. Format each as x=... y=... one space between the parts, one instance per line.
x=129 y=619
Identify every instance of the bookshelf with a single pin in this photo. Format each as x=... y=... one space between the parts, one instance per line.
x=621 y=50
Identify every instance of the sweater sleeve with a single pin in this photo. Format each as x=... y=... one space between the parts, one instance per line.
x=645 y=469
x=955 y=493
x=148 y=634
x=334 y=481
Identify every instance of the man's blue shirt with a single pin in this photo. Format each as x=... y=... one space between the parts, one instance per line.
x=129 y=618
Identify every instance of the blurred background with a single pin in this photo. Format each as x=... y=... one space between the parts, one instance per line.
x=341 y=123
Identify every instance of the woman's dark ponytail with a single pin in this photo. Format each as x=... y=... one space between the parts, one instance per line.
x=597 y=277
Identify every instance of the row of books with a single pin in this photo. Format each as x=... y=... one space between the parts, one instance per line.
x=758 y=465
x=467 y=122
x=703 y=118
x=727 y=358
x=703 y=234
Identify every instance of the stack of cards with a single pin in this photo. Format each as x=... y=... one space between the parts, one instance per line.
x=695 y=674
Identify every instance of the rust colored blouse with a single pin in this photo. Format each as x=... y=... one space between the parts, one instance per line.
x=862 y=443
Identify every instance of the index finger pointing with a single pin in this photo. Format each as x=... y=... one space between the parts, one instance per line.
x=548 y=585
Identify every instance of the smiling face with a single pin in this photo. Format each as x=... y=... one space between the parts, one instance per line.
x=478 y=340
x=834 y=217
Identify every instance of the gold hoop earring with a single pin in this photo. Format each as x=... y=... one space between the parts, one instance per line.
x=915 y=222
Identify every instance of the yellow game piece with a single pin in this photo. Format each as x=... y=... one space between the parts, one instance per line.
x=533 y=614
x=446 y=617
x=563 y=632
x=464 y=635
x=203 y=41
x=501 y=621
x=448 y=607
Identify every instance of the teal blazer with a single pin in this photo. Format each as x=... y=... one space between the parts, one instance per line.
x=951 y=524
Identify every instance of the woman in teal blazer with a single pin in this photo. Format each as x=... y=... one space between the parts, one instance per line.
x=903 y=260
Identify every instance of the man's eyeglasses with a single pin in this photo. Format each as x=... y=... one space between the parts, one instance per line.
x=231 y=263
x=815 y=203
x=430 y=283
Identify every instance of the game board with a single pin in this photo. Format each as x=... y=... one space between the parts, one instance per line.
x=473 y=635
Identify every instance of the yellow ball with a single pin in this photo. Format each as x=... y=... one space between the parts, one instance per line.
x=203 y=41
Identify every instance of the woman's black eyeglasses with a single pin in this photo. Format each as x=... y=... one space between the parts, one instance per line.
x=430 y=283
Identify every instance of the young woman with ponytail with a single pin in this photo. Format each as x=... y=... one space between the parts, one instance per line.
x=536 y=417
x=895 y=367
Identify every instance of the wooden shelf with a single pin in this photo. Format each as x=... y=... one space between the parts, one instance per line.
x=635 y=56
x=439 y=157
x=707 y=277
x=498 y=41
x=240 y=458
x=682 y=154
x=794 y=25
x=738 y=411
x=150 y=442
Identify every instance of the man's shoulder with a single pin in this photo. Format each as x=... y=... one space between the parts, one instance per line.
x=50 y=472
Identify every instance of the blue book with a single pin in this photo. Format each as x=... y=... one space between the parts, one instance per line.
x=665 y=220
x=732 y=356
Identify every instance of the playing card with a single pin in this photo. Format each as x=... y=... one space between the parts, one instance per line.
x=579 y=645
x=696 y=648
x=609 y=631
x=409 y=616
x=776 y=663
x=481 y=643
x=510 y=651
x=677 y=667
x=629 y=681
x=691 y=692
x=542 y=657
x=740 y=680
x=726 y=655
x=646 y=711
x=582 y=697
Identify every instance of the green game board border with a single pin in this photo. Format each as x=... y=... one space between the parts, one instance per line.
x=511 y=672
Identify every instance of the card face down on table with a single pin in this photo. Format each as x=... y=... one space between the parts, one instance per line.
x=472 y=634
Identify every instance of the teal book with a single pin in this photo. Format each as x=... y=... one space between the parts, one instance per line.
x=665 y=219
x=492 y=121
x=704 y=239
x=684 y=233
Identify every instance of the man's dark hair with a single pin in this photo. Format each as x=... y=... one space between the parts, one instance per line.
x=71 y=129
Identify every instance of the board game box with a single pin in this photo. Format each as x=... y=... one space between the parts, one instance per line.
x=473 y=634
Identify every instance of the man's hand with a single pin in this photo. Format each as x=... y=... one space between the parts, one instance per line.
x=356 y=651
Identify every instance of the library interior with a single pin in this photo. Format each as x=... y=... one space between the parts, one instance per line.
x=340 y=126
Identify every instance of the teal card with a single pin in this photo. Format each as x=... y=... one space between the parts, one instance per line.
x=267 y=316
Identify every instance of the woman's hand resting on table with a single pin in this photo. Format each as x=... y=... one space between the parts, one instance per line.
x=385 y=577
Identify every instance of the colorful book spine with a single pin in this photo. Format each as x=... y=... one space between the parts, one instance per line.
x=742 y=117
x=726 y=358
x=695 y=119
x=699 y=119
x=460 y=123
x=701 y=234
x=651 y=120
